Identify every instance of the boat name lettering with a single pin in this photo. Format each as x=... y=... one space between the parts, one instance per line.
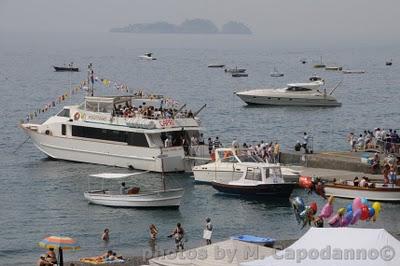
x=97 y=117
x=168 y=122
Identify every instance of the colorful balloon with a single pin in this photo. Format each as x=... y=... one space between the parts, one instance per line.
x=349 y=208
x=341 y=211
x=347 y=218
x=357 y=204
x=364 y=213
x=371 y=212
x=314 y=207
x=356 y=216
x=364 y=201
x=377 y=207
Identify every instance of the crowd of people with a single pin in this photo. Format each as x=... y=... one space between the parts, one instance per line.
x=267 y=151
x=386 y=140
x=149 y=111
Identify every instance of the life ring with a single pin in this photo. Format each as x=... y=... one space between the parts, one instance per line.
x=77 y=115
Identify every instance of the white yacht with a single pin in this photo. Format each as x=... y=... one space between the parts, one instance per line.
x=97 y=132
x=229 y=164
x=294 y=94
x=147 y=56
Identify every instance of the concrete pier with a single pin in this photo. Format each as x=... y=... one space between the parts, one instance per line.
x=348 y=161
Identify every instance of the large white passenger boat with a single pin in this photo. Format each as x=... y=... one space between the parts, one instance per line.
x=97 y=131
x=295 y=94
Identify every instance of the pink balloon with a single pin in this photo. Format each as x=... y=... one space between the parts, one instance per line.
x=335 y=221
x=357 y=204
x=326 y=211
x=356 y=216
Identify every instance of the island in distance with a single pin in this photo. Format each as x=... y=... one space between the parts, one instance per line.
x=189 y=26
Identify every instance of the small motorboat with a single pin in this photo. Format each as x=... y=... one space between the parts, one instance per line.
x=389 y=63
x=229 y=164
x=255 y=239
x=147 y=56
x=215 y=66
x=334 y=68
x=353 y=71
x=276 y=74
x=235 y=70
x=373 y=191
x=238 y=75
x=303 y=61
x=69 y=68
x=263 y=182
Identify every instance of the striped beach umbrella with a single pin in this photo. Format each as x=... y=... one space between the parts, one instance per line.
x=61 y=243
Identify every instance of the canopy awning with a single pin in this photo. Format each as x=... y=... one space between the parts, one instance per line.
x=117 y=175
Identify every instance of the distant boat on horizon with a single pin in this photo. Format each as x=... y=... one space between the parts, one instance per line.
x=389 y=63
x=320 y=65
x=276 y=73
x=69 y=68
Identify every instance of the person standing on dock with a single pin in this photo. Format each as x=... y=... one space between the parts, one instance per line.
x=207 y=233
x=277 y=152
x=305 y=142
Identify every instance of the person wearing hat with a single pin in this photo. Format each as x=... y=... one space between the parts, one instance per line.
x=207 y=233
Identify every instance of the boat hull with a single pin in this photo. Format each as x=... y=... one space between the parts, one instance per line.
x=351 y=192
x=168 y=198
x=106 y=153
x=288 y=101
x=202 y=176
x=283 y=190
x=66 y=69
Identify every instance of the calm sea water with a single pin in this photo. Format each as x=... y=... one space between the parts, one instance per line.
x=39 y=197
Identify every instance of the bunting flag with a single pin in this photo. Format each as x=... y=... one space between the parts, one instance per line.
x=45 y=108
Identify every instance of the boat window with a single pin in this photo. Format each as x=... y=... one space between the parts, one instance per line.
x=275 y=172
x=137 y=139
x=230 y=159
x=131 y=138
x=298 y=89
x=91 y=106
x=253 y=175
x=63 y=129
x=64 y=113
x=106 y=108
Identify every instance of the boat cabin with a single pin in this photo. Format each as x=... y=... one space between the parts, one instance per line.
x=262 y=174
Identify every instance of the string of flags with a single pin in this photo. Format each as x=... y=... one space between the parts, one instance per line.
x=47 y=107
x=83 y=86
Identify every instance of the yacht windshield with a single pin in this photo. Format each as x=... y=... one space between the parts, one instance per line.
x=250 y=159
x=298 y=89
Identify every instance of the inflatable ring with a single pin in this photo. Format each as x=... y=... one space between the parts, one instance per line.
x=77 y=115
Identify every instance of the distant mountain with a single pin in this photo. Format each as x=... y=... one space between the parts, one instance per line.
x=233 y=27
x=189 y=26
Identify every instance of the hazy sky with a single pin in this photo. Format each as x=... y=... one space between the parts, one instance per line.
x=364 y=20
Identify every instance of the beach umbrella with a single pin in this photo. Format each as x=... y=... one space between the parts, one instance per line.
x=61 y=243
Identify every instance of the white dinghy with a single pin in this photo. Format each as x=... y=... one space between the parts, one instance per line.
x=133 y=197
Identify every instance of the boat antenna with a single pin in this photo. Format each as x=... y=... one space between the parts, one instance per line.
x=337 y=85
x=198 y=111
x=180 y=109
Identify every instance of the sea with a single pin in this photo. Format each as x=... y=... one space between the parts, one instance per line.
x=41 y=197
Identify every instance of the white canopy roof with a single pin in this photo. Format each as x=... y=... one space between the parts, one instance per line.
x=338 y=247
x=117 y=175
x=229 y=252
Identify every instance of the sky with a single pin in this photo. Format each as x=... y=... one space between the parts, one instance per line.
x=333 y=21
